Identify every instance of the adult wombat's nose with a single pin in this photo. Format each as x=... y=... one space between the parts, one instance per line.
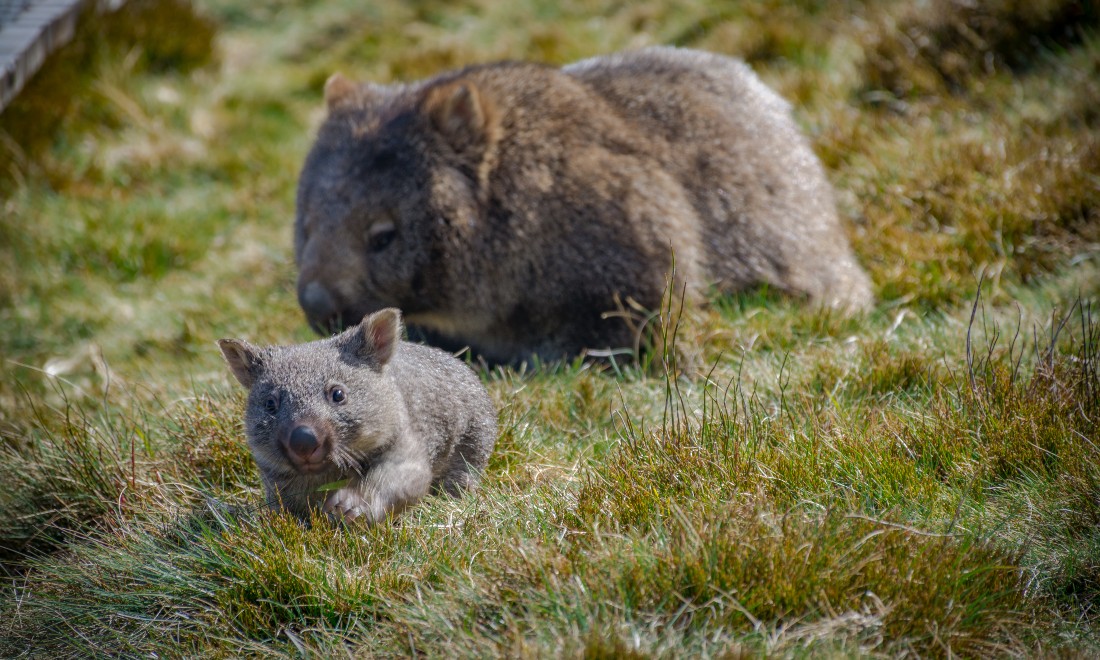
x=317 y=303
x=303 y=441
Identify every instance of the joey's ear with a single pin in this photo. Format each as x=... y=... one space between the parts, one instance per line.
x=462 y=115
x=378 y=336
x=244 y=360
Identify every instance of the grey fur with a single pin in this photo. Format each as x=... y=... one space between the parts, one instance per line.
x=413 y=419
x=511 y=206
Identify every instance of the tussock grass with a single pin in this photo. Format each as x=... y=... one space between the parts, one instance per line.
x=724 y=528
x=941 y=44
x=771 y=479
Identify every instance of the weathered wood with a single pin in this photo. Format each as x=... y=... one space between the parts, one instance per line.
x=29 y=31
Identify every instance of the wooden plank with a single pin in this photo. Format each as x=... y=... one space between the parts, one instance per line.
x=27 y=40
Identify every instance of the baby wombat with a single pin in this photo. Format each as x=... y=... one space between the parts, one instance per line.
x=390 y=418
x=512 y=206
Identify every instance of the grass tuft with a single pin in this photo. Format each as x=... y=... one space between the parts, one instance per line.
x=940 y=46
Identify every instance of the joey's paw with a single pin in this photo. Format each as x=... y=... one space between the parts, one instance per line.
x=348 y=505
x=345 y=505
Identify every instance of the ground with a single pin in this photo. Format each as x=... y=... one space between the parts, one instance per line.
x=922 y=479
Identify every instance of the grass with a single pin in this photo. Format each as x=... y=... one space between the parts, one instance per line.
x=920 y=480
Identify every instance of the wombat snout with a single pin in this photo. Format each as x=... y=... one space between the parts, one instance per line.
x=304 y=448
x=303 y=441
x=319 y=306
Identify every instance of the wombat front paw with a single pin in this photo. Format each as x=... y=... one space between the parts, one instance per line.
x=348 y=505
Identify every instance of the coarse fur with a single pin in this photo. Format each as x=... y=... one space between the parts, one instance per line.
x=392 y=418
x=511 y=206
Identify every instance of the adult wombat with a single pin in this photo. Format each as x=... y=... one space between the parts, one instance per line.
x=390 y=418
x=511 y=206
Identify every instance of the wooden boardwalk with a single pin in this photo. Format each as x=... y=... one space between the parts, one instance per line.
x=29 y=31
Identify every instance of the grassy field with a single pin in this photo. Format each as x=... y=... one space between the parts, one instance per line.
x=922 y=480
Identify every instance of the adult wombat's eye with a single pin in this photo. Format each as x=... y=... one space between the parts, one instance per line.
x=272 y=404
x=380 y=235
x=337 y=395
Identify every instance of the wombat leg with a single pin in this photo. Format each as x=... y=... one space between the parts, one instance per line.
x=387 y=489
x=457 y=481
x=461 y=475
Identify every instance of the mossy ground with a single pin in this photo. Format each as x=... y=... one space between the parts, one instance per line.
x=923 y=479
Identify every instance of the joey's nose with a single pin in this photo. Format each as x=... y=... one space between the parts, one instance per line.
x=317 y=303
x=303 y=441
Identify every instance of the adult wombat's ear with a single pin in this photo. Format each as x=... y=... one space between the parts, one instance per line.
x=339 y=91
x=462 y=115
x=243 y=359
x=376 y=338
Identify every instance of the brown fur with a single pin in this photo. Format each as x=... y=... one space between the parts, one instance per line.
x=511 y=206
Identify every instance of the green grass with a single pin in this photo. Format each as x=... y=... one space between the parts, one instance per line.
x=920 y=480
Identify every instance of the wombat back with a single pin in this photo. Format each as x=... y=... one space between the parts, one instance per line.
x=451 y=403
x=766 y=208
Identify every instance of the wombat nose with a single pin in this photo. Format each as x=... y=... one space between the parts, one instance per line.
x=303 y=441
x=317 y=303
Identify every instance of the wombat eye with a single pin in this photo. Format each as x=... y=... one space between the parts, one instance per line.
x=272 y=405
x=380 y=236
x=337 y=395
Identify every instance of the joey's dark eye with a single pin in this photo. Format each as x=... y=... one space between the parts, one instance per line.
x=272 y=404
x=380 y=236
x=337 y=395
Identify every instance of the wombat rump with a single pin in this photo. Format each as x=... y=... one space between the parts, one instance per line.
x=515 y=207
x=385 y=420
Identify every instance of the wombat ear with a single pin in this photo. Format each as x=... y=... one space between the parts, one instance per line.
x=461 y=114
x=244 y=360
x=339 y=90
x=380 y=333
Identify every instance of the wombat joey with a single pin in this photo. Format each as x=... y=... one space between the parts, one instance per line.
x=516 y=207
x=362 y=425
